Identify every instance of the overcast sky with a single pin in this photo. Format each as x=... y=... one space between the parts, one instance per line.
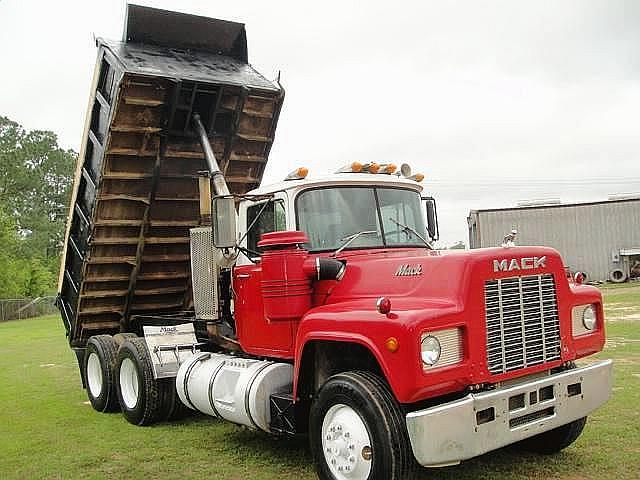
x=494 y=101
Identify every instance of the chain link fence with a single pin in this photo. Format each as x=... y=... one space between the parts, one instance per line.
x=19 y=308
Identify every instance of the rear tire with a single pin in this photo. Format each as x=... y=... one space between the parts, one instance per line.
x=99 y=371
x=357 y=430
x=143 y=399
x=555 y=440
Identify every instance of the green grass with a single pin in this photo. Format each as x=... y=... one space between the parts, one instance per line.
x=48 y=429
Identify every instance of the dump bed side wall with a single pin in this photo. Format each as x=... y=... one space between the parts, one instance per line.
x=136 y=193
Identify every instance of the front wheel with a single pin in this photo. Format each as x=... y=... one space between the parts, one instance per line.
x=555 y=440
x=357 y=431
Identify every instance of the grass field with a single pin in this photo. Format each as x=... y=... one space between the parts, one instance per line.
x=48 y=429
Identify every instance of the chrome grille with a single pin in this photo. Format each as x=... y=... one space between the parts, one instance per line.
x=523 y=328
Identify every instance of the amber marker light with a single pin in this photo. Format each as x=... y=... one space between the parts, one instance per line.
x=418 y=177
x=392 y=344
x=373 y=168
x=354 y=167
x=298 y=174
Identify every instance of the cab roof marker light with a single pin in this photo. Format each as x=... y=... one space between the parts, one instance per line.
x=298 y=174
x=371 y=168
x=387 y=168
x=354 y=167
x=418 y=177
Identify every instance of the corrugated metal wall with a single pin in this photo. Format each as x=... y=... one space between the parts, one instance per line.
x=587 y=235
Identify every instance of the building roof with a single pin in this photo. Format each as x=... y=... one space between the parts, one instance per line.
x=560 y=205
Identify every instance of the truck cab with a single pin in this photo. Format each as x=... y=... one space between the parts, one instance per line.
x=485 y=339
x=345 y=213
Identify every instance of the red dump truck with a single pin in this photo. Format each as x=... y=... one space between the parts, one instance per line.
x=311 y=306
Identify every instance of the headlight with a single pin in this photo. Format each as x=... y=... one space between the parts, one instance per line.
x=430 y=350
x=589 y=317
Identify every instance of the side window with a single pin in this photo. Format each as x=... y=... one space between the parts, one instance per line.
x=272 y=219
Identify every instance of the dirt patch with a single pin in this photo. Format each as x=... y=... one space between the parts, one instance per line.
x=621 y=307
x=620 y=290
x=613 y=342
x=622 y=317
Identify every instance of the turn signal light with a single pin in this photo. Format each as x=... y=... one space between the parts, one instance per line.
x=298 y=174
x=392 y=344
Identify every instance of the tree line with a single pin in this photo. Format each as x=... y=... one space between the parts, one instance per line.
x=36 y=177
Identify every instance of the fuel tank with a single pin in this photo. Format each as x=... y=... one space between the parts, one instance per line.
x=235 y=389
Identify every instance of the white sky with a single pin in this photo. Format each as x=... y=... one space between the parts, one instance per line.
x=494 y=101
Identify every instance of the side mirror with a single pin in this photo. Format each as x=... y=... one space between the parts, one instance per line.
x=432 y=218
x=224 y=222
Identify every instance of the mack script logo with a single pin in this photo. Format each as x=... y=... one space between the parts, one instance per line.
x=525 y=263
x=407 y=270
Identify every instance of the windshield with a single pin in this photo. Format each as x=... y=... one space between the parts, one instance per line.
x=330 y=215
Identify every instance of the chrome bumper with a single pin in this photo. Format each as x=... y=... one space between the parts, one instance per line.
x=481 y=422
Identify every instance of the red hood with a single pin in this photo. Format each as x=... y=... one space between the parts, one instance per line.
x=411 y=277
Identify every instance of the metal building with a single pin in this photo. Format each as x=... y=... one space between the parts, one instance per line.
x=601 y=239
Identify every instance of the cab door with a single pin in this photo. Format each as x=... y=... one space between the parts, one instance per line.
x=256 y=334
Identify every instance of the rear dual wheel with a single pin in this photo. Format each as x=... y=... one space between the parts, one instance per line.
x=143 y=399
x=99 y=371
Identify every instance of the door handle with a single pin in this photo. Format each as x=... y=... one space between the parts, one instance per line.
x=244 y=275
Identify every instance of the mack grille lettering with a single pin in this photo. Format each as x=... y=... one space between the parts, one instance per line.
x=525 y=263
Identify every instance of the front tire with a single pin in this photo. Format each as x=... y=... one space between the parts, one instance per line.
x=143 y=399
x=555 y=440
x=99 y=371
x=357 y=430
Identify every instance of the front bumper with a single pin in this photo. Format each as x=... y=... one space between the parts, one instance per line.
x=481 y=422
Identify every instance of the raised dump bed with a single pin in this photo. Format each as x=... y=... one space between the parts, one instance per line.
x=135 y=194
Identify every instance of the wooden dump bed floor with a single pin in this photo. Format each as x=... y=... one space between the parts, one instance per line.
x=135 y=194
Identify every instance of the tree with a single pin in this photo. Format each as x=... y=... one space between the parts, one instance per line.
x=35 y=184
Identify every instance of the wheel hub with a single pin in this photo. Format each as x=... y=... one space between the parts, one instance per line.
x=346 y=443
x=129 y=383
x=94 y=375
